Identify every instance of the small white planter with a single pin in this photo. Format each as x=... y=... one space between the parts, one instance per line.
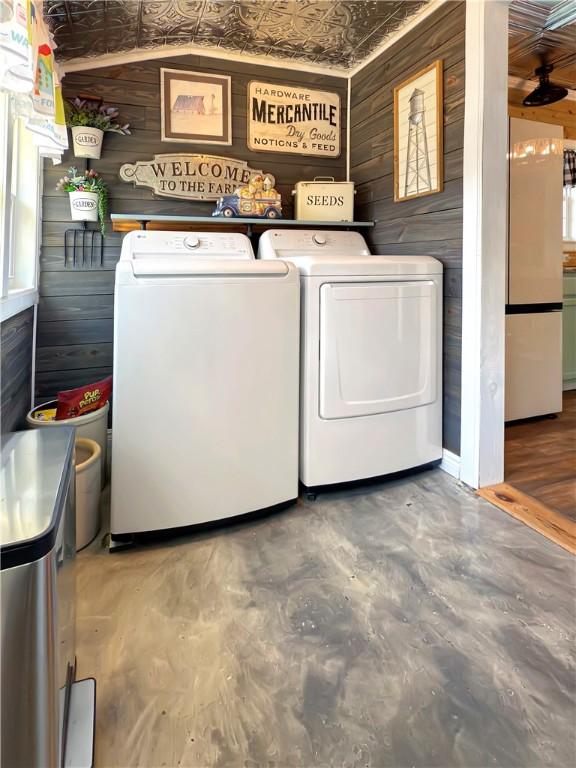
x=88 y=461
x=87 y=141
x=84 y=206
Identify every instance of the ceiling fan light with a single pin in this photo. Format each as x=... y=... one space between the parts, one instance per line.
x=545 y=92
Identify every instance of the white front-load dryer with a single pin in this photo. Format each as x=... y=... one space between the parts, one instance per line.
x=206 y=372
x=371 y=356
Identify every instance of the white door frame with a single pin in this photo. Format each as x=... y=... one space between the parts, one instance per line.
x=485 y=244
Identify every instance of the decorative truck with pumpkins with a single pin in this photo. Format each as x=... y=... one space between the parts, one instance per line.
x=258 y=199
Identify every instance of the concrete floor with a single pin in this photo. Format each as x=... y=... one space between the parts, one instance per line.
x=403 y=624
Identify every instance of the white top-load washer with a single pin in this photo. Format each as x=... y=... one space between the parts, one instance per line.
x=371 y=349
x=206 y=370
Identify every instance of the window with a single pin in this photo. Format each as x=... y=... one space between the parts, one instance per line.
x=569 y=214
x=20 y=185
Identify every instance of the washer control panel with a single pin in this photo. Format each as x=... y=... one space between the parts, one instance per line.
x=197 y=245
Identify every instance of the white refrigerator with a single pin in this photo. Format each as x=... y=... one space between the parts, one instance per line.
x=534 y=291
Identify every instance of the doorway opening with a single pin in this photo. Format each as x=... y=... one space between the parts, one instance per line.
x=540 y=385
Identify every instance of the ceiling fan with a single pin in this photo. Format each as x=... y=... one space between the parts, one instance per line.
x=545 y=92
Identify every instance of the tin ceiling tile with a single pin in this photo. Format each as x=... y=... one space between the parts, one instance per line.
x=310 y=10
x=250 y=15
x=261 y=50
x=338 y=33
x=328 y=32
x=543 y=31
x=186 y=7
x=279 y=25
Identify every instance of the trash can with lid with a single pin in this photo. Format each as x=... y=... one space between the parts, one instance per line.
x=37 y=580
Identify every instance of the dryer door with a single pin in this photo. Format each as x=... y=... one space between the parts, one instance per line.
x=378 y=347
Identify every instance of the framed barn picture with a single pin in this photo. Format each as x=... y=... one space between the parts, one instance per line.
x=418 y=135
x=195 y=107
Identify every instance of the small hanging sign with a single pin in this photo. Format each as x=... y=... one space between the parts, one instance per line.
x=189 y=176
x=301 y=121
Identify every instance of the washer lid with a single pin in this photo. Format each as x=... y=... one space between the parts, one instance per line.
x=367 y=265
x=181 y=266
x=34 y=478
x=166 y=254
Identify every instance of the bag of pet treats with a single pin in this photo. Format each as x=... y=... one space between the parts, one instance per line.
x=82 y=400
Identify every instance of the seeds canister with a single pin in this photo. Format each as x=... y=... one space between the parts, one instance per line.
x=324 y=200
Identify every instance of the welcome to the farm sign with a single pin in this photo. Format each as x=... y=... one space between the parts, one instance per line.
x=301 y=121
x=189 y=176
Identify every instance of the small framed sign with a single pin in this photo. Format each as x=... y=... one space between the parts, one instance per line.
x=286 y=118
x=195 y=107
x=418 y=142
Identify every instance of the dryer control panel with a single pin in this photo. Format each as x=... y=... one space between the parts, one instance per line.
x=206 y=246
x=320 y=243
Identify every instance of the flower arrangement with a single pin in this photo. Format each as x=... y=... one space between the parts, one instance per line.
x=92 y=113
x=89 y=120
x=89 y=183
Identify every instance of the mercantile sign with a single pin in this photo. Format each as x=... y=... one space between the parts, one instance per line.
x=285 y=118
x=189 y=176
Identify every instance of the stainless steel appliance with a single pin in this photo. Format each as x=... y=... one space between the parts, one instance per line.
x=37 y=526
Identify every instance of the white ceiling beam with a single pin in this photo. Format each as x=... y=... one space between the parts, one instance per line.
x=82 y=63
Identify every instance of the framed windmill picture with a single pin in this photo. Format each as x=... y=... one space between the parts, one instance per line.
x=195 y=107
x=418 y=136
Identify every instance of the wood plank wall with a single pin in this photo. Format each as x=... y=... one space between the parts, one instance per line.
x=430 y=225
x=76 y=308
x=16 y=338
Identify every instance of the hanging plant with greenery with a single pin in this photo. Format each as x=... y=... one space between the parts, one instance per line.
x=92 y=113
x=89 y=181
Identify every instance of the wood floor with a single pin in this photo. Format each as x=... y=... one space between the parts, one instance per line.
x=540 y=458
x=558 y=528
x=540 y=473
